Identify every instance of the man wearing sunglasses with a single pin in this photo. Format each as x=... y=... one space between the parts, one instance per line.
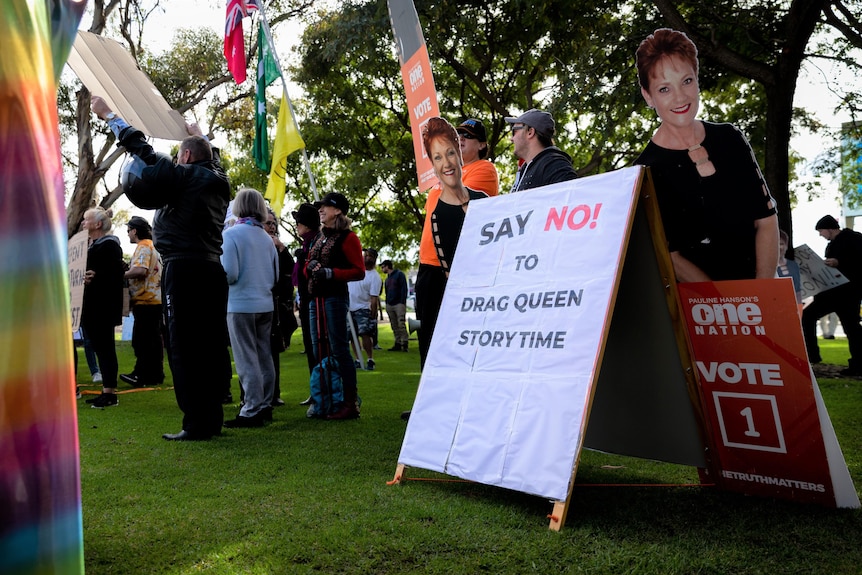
x=477 y=173
x=542 y=163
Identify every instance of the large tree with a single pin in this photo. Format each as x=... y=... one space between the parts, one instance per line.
x=191 y=75
x=574 y=59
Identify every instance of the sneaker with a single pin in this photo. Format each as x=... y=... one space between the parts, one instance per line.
x=371 y=365
x=77 y=392
x=357 y=364
x=395 y=347
x=131 y=379
x=307 y=401
x=377 y=347
x=97 y=377
x=828 y=337
x=105 y=400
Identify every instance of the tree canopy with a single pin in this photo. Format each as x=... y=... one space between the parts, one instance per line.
x=491 y=59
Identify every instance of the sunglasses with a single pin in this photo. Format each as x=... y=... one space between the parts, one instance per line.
x=467 y=136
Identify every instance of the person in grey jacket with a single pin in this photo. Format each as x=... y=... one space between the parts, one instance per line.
x=542 y=163
x=250 y=261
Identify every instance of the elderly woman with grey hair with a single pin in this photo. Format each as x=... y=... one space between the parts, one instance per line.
x=251 y=264
x=102 y=308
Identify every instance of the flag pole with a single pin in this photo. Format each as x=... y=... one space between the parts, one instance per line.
x=268 y=33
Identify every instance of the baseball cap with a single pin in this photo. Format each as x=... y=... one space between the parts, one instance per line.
x=475 y=128
x=335 y=200
x=541 y=121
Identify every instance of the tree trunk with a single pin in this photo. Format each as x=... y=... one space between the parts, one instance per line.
x=776 y=170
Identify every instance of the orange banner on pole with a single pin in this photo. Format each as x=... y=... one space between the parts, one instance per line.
x=418 y=82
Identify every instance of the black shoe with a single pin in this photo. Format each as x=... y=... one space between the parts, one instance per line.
x=277 y=402
x=395 y=347
x=129 y=378
x=183 y=436
x=346 y=412
x=104 y=400
x=266 y=413
x=828 y=337
x=405 y=415
x=240 y=421
x=307 y=401
x=227 y=399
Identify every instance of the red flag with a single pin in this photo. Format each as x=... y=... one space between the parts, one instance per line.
x=234 y=45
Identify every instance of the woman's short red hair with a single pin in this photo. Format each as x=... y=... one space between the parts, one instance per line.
x=663 y=43
x=437 y=127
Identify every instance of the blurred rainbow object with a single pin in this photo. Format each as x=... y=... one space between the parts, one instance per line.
x=41 y=529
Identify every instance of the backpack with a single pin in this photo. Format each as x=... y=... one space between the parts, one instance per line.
x=327 y=393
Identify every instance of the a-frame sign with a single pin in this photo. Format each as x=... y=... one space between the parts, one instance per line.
x=562 y=327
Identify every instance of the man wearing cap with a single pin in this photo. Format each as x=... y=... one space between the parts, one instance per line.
x=477 y=173
x=145 y=290
x=542 y=162
x=844 y=252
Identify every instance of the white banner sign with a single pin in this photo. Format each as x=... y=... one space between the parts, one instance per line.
x=816 y=276
x=77 y=267
x=504 y=392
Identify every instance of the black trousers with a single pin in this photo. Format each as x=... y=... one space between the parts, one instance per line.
x=147 y=343
x=430 y=285
x=102 y=341
x=194 y=297
x=844 y=301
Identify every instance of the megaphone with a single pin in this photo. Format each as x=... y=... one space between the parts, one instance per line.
x=413 y=325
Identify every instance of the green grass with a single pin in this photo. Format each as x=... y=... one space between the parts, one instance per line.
x=310 y=496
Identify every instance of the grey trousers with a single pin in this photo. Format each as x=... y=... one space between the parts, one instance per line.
x=252 y=355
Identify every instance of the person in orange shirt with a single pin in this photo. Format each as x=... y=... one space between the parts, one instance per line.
x=477 y=173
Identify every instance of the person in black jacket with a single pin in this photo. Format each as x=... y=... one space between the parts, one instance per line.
x=102 y=308
x=307 y=227
x=843 y=252
x=542 y=163
x=191 y=197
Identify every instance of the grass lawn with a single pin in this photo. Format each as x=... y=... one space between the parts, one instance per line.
x=310 y=496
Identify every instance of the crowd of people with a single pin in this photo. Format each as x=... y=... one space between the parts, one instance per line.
x=719 y=219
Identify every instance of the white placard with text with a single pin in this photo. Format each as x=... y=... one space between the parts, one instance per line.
x=504 y=392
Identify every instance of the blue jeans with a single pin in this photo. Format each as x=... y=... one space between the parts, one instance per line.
x=330 y=324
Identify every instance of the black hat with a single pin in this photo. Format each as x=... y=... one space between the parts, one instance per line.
x=540 y=121
x=475 y=128
x=307 y=215
x=140 y=224
x=827 y=223
x=335 y=200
